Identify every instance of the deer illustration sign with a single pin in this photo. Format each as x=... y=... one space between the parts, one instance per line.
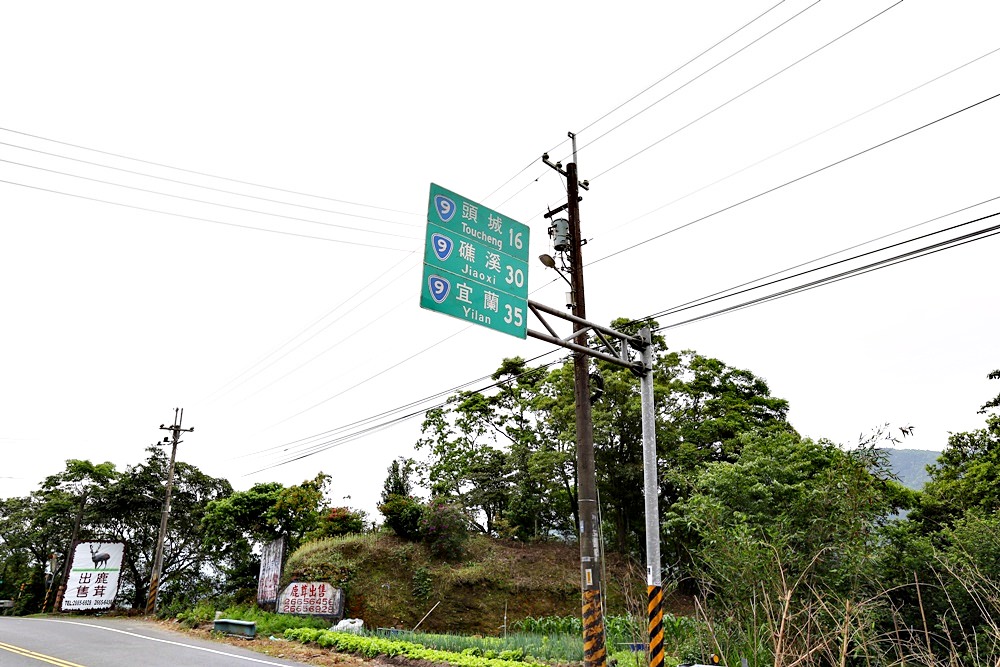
x=93 y=577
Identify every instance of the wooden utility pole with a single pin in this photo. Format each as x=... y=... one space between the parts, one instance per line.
x=57 y=604
x=594 y=650
x=154 y=579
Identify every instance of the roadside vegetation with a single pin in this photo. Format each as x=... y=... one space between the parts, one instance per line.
x=779 y=549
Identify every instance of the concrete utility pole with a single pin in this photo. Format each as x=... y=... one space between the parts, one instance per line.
x=654 y=574
x=154 y=580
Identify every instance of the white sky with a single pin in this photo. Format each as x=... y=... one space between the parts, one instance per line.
x=112 y=316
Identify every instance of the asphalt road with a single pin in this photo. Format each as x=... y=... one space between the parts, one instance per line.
x=113 y=642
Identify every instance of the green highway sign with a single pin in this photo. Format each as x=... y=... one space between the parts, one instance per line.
x=456 y=213
x=475 y=264
x=468 y=300
x=476 y=261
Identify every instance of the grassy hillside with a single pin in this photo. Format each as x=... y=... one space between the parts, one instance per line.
x=392 y=583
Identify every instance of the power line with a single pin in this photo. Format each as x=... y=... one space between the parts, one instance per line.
x=307 y=328
x=730 y=291
x=635 y=96
x=880 y=264
x=193 y=217
x=796 y=179
x=371 y=377
x=315 y=448
x=385 y=313
x=733 y=206
x=206 y=187
x=201 y=173
x=211 y=203
x=692 y=80
x=755 y=86
x=431 y=397
x=808 y=139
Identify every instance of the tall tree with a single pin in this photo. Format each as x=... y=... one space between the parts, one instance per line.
x=41 y=525
x=129 y=509
x=508 y=455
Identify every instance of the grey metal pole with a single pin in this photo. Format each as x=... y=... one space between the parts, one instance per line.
x=594 y=650
x=651 y=491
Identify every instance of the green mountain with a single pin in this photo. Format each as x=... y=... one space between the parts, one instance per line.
x=910 y=465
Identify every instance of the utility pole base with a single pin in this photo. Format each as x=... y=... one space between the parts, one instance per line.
x=655 y=594
x=594 y=652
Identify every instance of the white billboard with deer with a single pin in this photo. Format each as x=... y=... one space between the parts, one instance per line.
x=93 y=577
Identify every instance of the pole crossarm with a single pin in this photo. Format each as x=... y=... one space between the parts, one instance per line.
x=608 y=337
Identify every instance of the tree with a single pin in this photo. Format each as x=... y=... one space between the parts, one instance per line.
x=949 y=542
x=40 y=525
x=402 y=511
x=508 y=455
x=398 y=481
x=783 y=536
x=993 y=402
x=966 y=477
x=238 y=524
x=465 y=463
x=128 y=510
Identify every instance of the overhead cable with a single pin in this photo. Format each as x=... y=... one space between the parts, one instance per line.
x=202 y=173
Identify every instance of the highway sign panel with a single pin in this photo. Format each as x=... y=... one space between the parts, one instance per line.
x=475 y=264
x=475 y=302
x=476 y=261
x=456 y=213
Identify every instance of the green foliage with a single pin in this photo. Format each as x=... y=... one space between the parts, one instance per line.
x=811 y=507
x=507 y=457
x=193 y=617
x=422 y=581
x=339 y=521
x=269 y=623
x=402 y=514
x=373 y=647
x=993 y=403
x=397 y=481
x=965 y=478
x=550 y=625
x=443 y=528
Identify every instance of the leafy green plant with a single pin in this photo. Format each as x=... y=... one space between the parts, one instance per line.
x=513 y=647
x=422 y=581
x=374 y=646
x=201 y=613
x=269 y=623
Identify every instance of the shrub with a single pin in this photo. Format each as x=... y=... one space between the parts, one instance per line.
x=444 y=529
x=402 y=515
x=340 y=521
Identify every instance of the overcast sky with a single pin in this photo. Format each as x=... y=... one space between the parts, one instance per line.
x=221 y=207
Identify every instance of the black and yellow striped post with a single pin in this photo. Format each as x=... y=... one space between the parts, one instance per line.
x=594 y=650
x=655 y=625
